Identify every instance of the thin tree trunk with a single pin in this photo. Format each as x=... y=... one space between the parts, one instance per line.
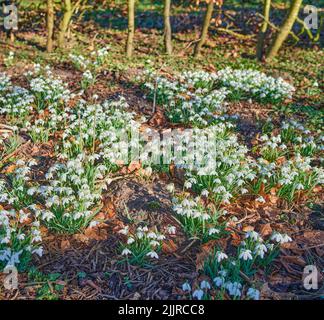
x=285 y=29
x=204 y=31
x=263 y=30
x=131 y=27
x=68 y=11
x=167 y=27
x=50 y=25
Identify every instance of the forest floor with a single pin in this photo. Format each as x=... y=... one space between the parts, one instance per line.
x=88 y=265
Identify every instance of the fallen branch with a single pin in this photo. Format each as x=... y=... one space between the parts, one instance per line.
x=235 y=34
x=4 y=126
x=273 y=26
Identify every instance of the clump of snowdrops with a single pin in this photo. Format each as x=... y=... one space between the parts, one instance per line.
x=16 y=189
x=223 y=168
x=253 y=84
x=72 y=197
x=141 y=245
x=198 y=221
x=226 y=271
x=20 y=238
x=190 y=99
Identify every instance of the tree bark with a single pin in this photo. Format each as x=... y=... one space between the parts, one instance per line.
x=68 y=11
x=50 y=25
x=204 y=31
x=285 y=29
x=263 y=30
x=131 y=27
x=167 y=27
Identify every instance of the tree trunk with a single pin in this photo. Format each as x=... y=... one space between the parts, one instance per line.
x=131 y=27
x=285 y=29
x=50 y=25
x=204 y=31
x=167 y=27
x=68 y=11
x=263 y=30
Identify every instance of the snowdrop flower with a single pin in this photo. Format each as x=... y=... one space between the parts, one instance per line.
x=246 y=254
x=260 y=199
x=124 y=230
x=260 y=250
x=93 y=224
x=205 y=193
x=170 y=187
x=253 y=294
x=198 y=294
x=154 y=243
x=130 y=240
x=187 y=184
x=171 y=229
x=212 y=231
x=186 y=287
x=126 y=252
x=153 y=254
x=221 y=256
x=253 y=235
x=234 y=288
x=218 y=282
x=38 y=251
x=204 y=285
x=280 y=238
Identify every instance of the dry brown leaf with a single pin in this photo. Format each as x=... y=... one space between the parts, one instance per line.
x=248 y=228
x=169 y=246
x=236 y=239
x=134 y=166
x=10 y=169
x=65 y=244
x=265 y=230
x=208 y=248
x=158 y=119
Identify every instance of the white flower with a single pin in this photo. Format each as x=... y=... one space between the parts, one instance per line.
x=198 y=294
x=212 y=231
x=234 y=288
x=38 y=251
x=246 y=254
x=186 y=287
x=218 y=281
x=253 y=235
x=260 y=199
x=205 y=193
x=153 y=254
x=172 y=229
x=170 y=187
x=187 y=184
x=281 y=238
x=93 y=224
x=204 y=285
x=126 y=252
x=221 y=256
x=130 y=240
x=253 y=294
x=260 y=250
x=124 y=230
